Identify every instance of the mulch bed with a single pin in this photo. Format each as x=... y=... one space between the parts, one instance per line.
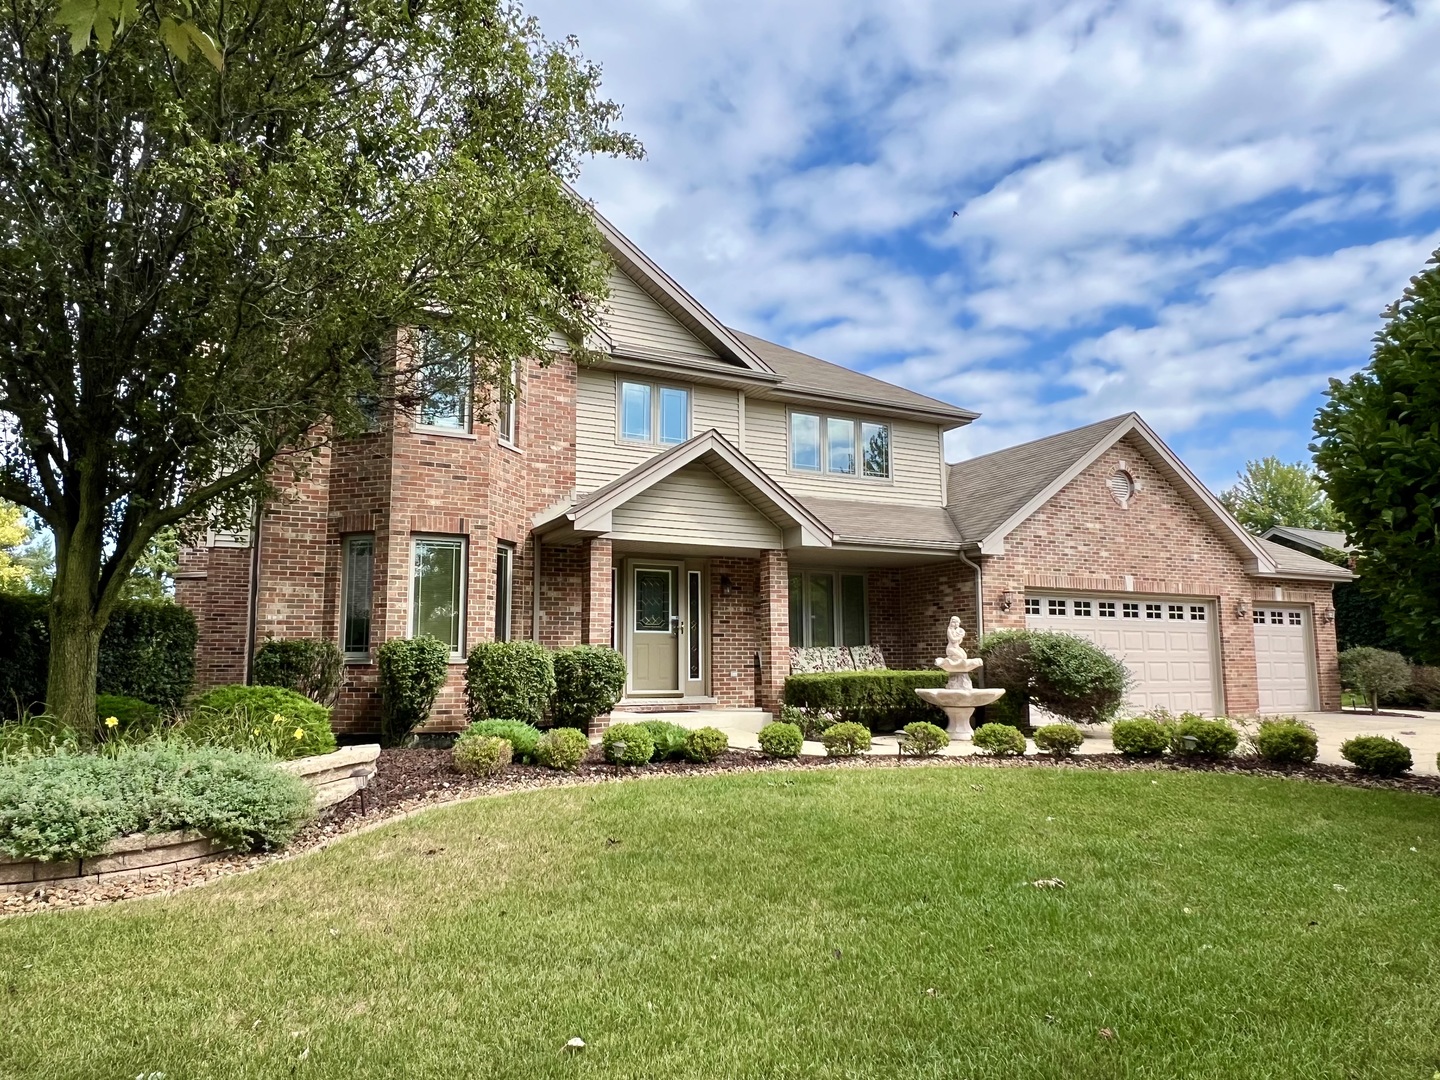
x=407 y=781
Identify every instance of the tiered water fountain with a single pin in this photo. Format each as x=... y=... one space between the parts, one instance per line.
x=959 y=697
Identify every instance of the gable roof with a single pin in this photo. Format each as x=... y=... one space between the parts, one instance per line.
x=1292 y=563
x=991 y=495
x=1314 y=539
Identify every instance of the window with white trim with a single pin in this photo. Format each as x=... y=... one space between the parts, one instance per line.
x=654 y=413
x=446 y=380
x=357 y=592
x=507 y=409
x=504 y=590
x=1032 y=605
x=1057 y=607
x=437 y=590
x=827 y=609
x=1107 y=609
x=839 y=446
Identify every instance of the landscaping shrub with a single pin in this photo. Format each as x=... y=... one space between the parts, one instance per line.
x=781 y=740
x=705 y=744
x=883 y=700
x=1213 y=739
x=1286 y=741
x=811 y=722
x=669 y=739
x=133 y=718
x=1139 y=737
x=524 y=739
x=1001 y=740
x=314 y=667
x=1377 y=755
x=924 y=739
x=69 y=806
x=1065 y=675
x=481 y=755
x=514 y=680
x=589 y=680
x=845 y=739
x=627 y=744
x=1423 y=691
x=562 y=748
x=262 y=719
x=147 y=651
x=1373 y=673
x=1058 y=740
x=412 y=671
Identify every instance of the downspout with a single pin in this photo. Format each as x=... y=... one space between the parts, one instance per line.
x=535 y=589
x=979 y=597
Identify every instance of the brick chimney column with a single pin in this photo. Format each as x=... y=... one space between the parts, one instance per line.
x=772 y=613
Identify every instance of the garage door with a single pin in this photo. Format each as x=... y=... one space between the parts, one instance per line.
x=1166 y=644
x=1284 y=661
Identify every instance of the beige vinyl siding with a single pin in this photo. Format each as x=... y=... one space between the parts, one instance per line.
x=916 y=464
x=694 y=506
x=600 y=456
x=634 y=318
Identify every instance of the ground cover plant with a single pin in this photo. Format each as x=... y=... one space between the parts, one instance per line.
x=1233 y=927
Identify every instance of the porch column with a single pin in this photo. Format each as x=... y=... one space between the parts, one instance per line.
x=597 y=600
x=772 y=616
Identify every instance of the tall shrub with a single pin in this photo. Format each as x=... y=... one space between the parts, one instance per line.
x=589 y=680
x=1064 y=675
x=314 y=667
x=509 y=680
x=412 y=671
x=1373 y=673
x=882 y=700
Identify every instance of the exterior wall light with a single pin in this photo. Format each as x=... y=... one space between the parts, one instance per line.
x=1242 y=610
x=1327 y=616
x=1006 y=600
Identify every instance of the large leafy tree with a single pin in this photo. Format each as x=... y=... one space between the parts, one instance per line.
x=1270 y=492
x=200 y=256
x=1378 y=448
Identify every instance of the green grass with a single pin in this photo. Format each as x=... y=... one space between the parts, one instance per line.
x=858 y=923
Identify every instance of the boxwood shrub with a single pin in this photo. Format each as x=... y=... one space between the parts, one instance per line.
x=314 y=667
x=1377 y=755
x=263 y=719
x=924 y=739
x=845 y=739
x=781 y=740
x=627 y=744
x=513 y=680
x=1000 y=740
x=589 y=680
x=523 y=738
x=882 y=700
x=1139 y=737
x=562 y=748
x=1213 y=739
x=481 y=755
x=705 y=744
x=1286 y=741
x=411 y=673
x=1058 y=740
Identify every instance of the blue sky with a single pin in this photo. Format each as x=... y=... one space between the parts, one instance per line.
x=1050 y=212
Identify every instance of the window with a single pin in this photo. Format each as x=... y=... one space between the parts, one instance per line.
x=839 y=453
x=504 y=590
x=1032 y=605
x=1152 y=611
x=357 y=593
x=1131 y=611
x=1295 y=619
x=1057 y=607
x=693 y=629
x=1277 y=618
x=445 y=380
x=1258 y=616
x=654 y=414
x=1107 y=609
x=1197 y=612
x=827 y=609
x=437 y=591
x=506 y=409
x=1177 y=611
x=1082 y=608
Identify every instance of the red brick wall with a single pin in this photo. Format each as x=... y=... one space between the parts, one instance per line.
x=772 y=618
x=734 y=631
x=214 y=583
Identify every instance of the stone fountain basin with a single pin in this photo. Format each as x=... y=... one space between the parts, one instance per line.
x=961 y=699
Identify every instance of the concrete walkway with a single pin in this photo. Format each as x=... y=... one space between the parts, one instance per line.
x=1419 y=731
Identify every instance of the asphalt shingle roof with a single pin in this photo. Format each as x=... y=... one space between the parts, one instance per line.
x=862 y=522
x=1297 y=562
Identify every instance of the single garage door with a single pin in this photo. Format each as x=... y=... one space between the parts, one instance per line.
x=1284 y=660
x=1167 y=644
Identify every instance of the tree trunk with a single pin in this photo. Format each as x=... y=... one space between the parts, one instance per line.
x=77 y=620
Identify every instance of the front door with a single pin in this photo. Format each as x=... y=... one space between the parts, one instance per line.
x=654 y=618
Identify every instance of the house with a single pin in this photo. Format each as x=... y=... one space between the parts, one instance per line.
x=705 y=500
x=1316 y=541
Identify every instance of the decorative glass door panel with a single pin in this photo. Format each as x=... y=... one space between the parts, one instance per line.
x=654 y=630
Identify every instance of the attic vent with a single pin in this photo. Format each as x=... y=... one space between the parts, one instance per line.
x=1122 y=486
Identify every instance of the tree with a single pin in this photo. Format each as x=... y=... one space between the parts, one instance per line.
x=1373 y=673
x=1268 y=492
x=1378 y=449
x=205 y=264
x=15 y=536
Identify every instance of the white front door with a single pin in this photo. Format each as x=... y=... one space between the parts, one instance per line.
x=1283 y=659
x=653 y=618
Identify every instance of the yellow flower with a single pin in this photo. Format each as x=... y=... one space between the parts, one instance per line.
x=299 y=733
x=279 y=719
x=112 y=721
x=256 y=731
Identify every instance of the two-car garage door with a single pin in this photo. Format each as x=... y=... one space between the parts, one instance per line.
x=1168 y=645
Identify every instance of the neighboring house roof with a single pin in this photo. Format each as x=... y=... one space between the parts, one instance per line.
x=1291 y=562
x=1314 y=539
x=810 y=376
x=868 y=523
x=590 y=514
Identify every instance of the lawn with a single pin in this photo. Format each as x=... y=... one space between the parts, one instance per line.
x=854 y=923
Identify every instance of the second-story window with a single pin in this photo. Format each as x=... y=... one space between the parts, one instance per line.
x=506 y=406
x=651 y=413
x=839 y=445
x=446 y=381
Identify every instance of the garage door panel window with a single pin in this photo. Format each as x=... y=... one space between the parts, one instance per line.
x=1107 y=609
x=1032 y=605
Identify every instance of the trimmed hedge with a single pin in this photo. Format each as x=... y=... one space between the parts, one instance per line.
x=147 y=651
x=134 y=718
x=1286 y=741
x=262 y=719
x=1214 y=739
x=412 y=671
x=1058 y=740
x=846 y=739
x=481 y=755
x=562 y=748
x=1139 y=737
x=523 y=738
x=925 y=739
x=589 y=680
x=882 y=700
x=627 y=744
x=1377 y=755
x=511 y=680
x=705 y=744
x=314 y=667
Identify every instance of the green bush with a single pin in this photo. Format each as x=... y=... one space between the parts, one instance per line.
x=147 y=651
x=1377 y=755
x=513 y=680
x=883 y=700
x=562 y=748
x=781 y=740
x=262 y=719
x=845 y=739
x=1001 y=740
x=481 y=755
x=411 y=672
x=1058 y=740
x=705 y=744
x=627 y=744
x=1213 y=739
x=1286 y=741
x=1374 y=673
x=1139 y=737
x=36 y=733
x=313 y=667
x=924 y=739
x=523 y=738
x=811 y=722
x=589 y=680
x=1423 y=691
x=669 y=739
x=1065 y=675
x=133 y=718
x=69 y=806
